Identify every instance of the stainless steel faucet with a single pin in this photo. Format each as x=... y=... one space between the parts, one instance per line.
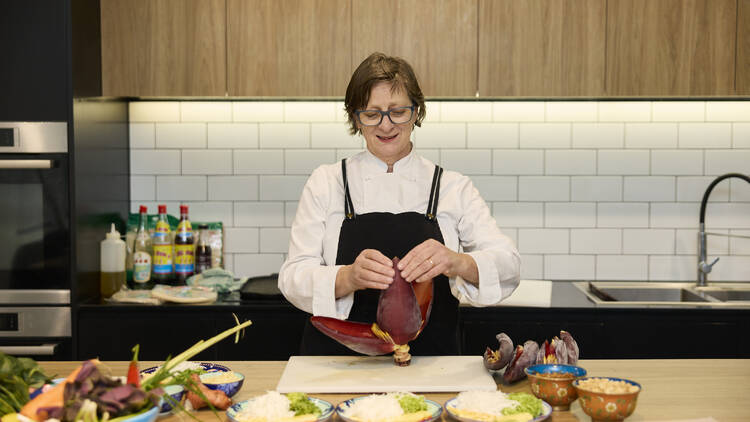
x=703 y=267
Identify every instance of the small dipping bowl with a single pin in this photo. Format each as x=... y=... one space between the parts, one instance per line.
x=176 y=393
x=229 y=382
x=553 y=383
x=612 y=406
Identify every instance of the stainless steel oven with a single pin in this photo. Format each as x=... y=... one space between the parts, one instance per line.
x=35 y=239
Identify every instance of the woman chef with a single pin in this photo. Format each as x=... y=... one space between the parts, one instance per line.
x=385 y=202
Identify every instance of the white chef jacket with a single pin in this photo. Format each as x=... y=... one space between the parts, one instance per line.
x=307 y=277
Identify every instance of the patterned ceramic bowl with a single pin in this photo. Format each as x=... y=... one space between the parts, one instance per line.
x=553 y=383
x=229 y=382
x=176 y=393
x=610 y=405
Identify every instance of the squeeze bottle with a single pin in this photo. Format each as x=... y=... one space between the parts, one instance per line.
x=112 y=263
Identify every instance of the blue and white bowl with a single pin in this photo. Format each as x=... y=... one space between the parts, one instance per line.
x=176 y=393
x=326 y=409
x=229 y=388
x=205 y=366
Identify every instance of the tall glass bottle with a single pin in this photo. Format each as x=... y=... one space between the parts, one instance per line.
x=203 y=250
x=142 y=254
x=162 y=239
x=184 y=252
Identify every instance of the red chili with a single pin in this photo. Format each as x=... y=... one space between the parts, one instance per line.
x=134 y=377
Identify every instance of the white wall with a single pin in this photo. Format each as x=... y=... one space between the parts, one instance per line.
x=588 y=190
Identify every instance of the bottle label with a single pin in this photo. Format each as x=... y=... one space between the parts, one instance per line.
x=141 y=267
x=184 y=259
x=162 y=259
x=161 y=232
x=185 y=231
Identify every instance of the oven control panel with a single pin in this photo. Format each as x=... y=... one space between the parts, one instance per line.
x=53 y=321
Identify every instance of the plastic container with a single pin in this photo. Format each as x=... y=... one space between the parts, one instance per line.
x=111 y=263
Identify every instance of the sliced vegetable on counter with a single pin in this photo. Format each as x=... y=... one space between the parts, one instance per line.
x=562 y=350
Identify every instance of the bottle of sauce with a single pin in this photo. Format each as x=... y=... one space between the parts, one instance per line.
x=162 y=240
x=142 y=254
x=184 y=258
x=203 y=251
x=111 y=263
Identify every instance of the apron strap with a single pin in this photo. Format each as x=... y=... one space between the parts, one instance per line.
x=434 y=193
x=348 y=206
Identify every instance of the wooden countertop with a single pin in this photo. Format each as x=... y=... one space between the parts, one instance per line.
x=672 y=389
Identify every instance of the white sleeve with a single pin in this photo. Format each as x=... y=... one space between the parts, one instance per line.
x=305 y=279
x=497 y=258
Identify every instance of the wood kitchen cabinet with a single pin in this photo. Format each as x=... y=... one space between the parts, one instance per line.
x=743 y=48
x=163 y=48
x=541 y=48
x=671 y=47
x=288 y=47
x=437 y=37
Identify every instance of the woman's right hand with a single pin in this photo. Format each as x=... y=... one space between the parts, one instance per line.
x=370 y=270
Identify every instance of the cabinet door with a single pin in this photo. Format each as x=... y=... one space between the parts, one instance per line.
x=165 y=47
x=437 y=37
x=671 y=47
x=541 y=48
x=275 y=334
x=288 y=47
x=743 y=48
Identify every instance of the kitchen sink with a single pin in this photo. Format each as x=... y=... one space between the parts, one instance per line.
x=728 y=294
x=665 y=294
x=648 y=294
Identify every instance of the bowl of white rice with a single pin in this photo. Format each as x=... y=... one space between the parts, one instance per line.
x=496 y=406
x=388 y=407
x=274 y=406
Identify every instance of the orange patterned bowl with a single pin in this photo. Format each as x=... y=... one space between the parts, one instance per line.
x=553 y=383
x=606 y=398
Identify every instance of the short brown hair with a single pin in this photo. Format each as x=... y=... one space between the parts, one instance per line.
x=381 y=68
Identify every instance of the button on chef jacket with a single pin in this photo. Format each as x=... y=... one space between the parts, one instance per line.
x=308 y=276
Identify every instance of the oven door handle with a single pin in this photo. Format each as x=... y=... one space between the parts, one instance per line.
x=41 y=350
x=27 y=164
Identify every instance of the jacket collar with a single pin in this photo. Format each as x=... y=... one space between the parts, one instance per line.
x=373 y=166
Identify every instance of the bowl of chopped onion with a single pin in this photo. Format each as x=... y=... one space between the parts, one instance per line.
x=229 y=382
x=607 y=398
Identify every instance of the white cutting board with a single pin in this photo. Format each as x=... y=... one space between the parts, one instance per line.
x=378 y=374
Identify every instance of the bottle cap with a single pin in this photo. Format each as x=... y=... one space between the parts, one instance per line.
x=113 y=233
x=183 y=209
x=143 y=209
x=162 y=209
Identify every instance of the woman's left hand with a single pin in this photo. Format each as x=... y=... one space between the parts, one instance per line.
x=430 y=259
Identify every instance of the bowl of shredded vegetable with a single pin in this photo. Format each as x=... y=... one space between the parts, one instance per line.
x=230 y=382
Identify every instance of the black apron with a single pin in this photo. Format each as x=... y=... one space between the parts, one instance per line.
x=394 y=235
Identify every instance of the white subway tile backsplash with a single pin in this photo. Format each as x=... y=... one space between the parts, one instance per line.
x=310 y=111
x=229 y=262
x=154 y=111
x=430 y=154
x=496 y=188
x=518 y=111
x=181 y=135
x=679 y=111
x=569 y=267
x=691 y=189
x=739 y=190
x=570 y=162
x=144 y=161
x=731 y=268
x=532 y=267
x=207 y=162
x=346 y=153
x=290 y=211
x=679 y=215
x=305 y=161
x=598 y=135
x=281 y=188
x=181 y=188
x=517 y=162
x=259 y=214
x=570 y=111
x=623 y=162
x=543 y=188
x=728 y=111
x=596 y=188
x=492 y=135
x=258 y=111
x=232 y=188
x=333 y=135
x=142 y=135
x=649 y=188
x=624 y=111
x=211 y=212
x=232 y=135
x=544 y=241
x=651 y=135
x=142 y=188
x=241 y=240
x=432 y=111
x=741 y=135
x=518 y=214
x=726 y=161
x=545 y=135
x=205 y=111
x=596 y=241
x=686 y=242
x=253 y=265
x=570 y=214
x=677 y=162
x=648 y=241
x=512 y=234
x=274 y=240
x=672 y=268
x=440 y=135
x=739 y=245
x=284 y=135
x=617 y=214
x=727 y=215
x=268 y=161
x=465 y=111
x=705 y=135
x=622 y=267
x=466 y=161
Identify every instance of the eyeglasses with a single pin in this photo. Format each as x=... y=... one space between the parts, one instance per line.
x=397 y=116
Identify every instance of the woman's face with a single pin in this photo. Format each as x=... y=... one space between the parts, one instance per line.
x=387 y=141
